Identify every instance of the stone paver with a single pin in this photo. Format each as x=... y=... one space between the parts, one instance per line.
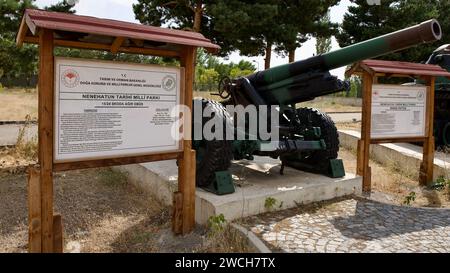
x=355 y=226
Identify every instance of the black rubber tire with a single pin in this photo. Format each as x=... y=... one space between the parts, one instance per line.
x=217 y=154
x=315 y=118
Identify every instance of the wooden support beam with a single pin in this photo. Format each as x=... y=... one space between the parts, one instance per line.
x=105 y=47
x=58 y=239
x=186 y=170
x=117 y=44
x=109 y=162
x=359 y=158
x=427 y=166
x=364 y=150
x=34 y=211
x=22 y=33
x=138 y=42
x=45 y=105
x=177 y=216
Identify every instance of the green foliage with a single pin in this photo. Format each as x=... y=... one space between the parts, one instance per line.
x=365 y=21
x=411 y=197
x=441 y=183
x=216 y=223
x=210 y=70
x=236 y=72
x=19 y=62
x=106 y=55
x=15 y=61
x=270 y=203
x=62 y=6
x=323 y=43
x=355 y=89
x=248 y=26
x=298 y=20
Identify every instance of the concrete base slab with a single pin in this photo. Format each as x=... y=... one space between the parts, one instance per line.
x=255 y=181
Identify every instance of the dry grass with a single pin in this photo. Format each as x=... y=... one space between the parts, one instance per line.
x=103 y=212
x=329 y=106
x=24 y=153
x=26 y=148
x=398 y=181
x=18 y=103
x=227 y=240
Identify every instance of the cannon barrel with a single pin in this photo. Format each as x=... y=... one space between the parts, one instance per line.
x=425 y=32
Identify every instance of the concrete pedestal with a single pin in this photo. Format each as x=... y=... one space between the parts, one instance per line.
x=255 y=181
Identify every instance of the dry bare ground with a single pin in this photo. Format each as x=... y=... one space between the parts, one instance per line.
x=102 y=212
x=397 y=182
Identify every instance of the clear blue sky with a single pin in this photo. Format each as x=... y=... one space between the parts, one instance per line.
x=122 y=10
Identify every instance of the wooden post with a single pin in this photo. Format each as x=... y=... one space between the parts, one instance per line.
x=186 y=162
x=34 y=211
x=177 y=217
x=360 y=157
x=58 y=238
x=45 y=105
x=427 y=166
x=364 y=144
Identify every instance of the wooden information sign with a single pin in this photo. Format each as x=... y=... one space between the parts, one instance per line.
x=99 y=114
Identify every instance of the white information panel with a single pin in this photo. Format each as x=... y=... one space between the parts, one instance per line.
x=109 y=109
x=398 y=111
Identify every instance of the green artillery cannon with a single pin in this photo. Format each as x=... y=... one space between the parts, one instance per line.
x=308 y=139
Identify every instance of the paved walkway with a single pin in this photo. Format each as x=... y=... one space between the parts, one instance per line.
x=345 y=117
x=9 y=133
x=355 y=226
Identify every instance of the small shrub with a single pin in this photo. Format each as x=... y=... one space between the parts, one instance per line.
x=26 y=148
x=411 y=197
x=441 y=183
x=270 y=203
x=216 y=223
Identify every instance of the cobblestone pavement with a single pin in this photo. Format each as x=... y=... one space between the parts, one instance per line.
x=355 y=226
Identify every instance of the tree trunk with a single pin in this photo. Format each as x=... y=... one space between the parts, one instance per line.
x=198 y=16
x=268 y=55
x=292 y=56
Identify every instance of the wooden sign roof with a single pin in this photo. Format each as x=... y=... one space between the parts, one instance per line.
x=397 y=68
x=78 y=31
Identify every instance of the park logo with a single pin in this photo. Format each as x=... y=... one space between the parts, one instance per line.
x=420 y=96
x=70 y=78
x=169 y=83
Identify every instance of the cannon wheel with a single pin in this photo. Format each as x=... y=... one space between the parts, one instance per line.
x=315 y=118
x=212 y=156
